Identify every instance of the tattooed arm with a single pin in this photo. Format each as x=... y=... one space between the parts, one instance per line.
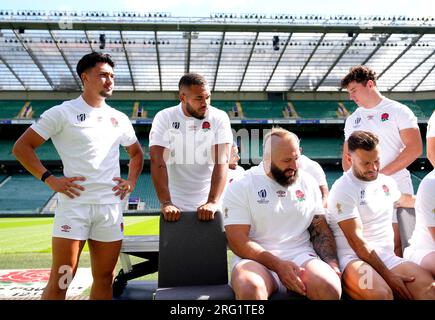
x=323 y=242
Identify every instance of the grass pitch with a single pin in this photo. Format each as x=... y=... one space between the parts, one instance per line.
x=26 y=242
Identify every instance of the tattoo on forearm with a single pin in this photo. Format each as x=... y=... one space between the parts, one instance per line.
x=322 y=239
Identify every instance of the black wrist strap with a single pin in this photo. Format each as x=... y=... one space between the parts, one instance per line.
x=45 y=175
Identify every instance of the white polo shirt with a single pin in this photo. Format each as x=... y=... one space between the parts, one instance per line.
x=87 y=140
x=425 y=214
x=234 y=174
x=430 y=133
x=189 y=160
x=370 y=201
x=385 y=120
x=279 y=216
x=313 y=168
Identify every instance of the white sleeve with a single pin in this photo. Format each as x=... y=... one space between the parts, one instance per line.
x=341 y=205
x=425 y=203
x=347 y=128
x=159 y=134
x=224 y=134
x=431 y=127
x=318 y=174
x=406 y=118
x=128 y=136
x=49 y=124
x=318 y=208
x=236 y=205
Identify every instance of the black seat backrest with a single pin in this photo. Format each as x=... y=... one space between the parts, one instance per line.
x=192 y=252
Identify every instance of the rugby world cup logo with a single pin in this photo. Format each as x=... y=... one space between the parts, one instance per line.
x=176 y=125
x=263 y=195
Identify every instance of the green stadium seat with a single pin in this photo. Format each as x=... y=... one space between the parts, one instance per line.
x=6 y=150
x=415 y=108
x=9 y=109
x=154 y=106
x=23 y=194
x=263 y=109
x=39 y=106
x=316 y=109
x=427 y=107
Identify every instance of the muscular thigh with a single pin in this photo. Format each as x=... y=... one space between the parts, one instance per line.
x=359 y=278
x=428 y=263
x=422 y=277
x=252 y=272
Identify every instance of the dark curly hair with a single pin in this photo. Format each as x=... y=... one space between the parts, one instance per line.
x=359 y=74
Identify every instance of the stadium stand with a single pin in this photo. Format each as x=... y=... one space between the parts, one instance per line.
x=23 y=193
x=39 y=106
x=9 y=109
x=427 y=107
x=316 y=109
x=263 y=109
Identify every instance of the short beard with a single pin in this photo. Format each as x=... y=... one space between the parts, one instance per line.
x=362 y=177
x=105 y=94
x=193 y=113
x=280 y=176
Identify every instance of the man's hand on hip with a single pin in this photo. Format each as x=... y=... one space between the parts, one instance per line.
x=123 y=187
x=66 y=185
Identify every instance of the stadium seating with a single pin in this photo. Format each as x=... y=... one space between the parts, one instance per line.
x=6 y=150
x=154 y=106
x=39 y=106
x=415 y=108
x=316 y=109
x=12 y=199
x=9 y=108
x=263 y=109
x=427 y=107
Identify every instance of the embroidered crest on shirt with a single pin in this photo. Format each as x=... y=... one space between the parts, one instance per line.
x=263 y=195
x=386 y=190
x=114 y=122
x=281 y=193
x=206 y=126
x=385 y=117
x=300 y=195
x=339 y=210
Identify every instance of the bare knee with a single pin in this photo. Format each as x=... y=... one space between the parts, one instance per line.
x=251 y=290
x=103 y=277
x=321 y=289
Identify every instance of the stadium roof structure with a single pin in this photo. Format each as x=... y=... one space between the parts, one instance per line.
x=235 y=52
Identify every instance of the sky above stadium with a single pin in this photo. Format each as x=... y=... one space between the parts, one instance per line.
x=203 y=8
